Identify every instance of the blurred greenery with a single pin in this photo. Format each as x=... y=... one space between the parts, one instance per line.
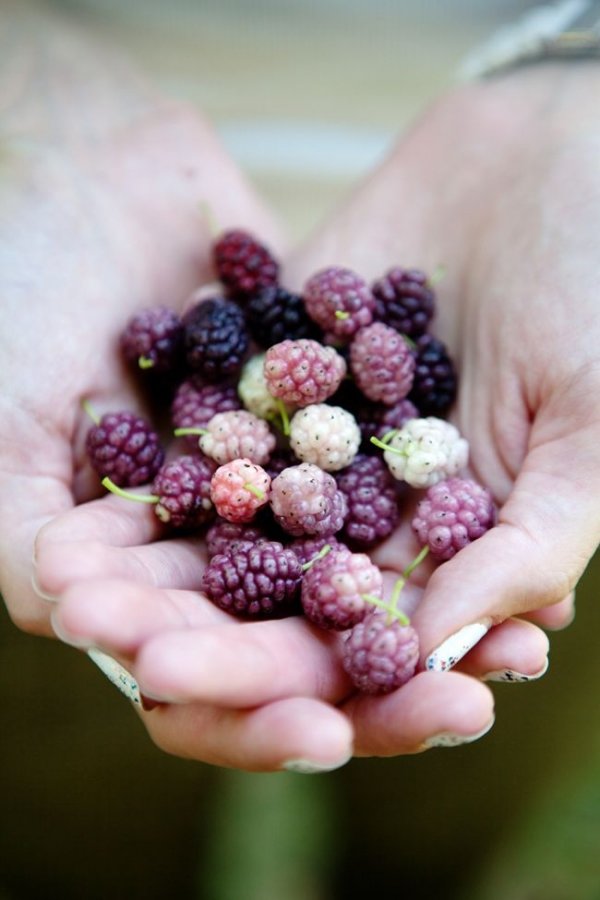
x=91 y=809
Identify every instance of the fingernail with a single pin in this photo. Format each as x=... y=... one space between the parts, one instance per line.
x=40 y=593
x=511 y=675
x=148 y=704
x=115 y=672
x=309 y=767
x=456 y=646
x=449 y=739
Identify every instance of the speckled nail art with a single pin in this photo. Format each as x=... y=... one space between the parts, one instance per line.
x=114 y=671
x=509 y=675
x=448 y=739
x=456 y=646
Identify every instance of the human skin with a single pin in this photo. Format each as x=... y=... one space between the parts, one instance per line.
x=115 y=215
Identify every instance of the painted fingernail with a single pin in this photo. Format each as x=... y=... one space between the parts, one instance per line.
x=117 y=674
x=309 y=767
x=40 y=593
x=449 y=739
x=456 y=646
x=509 y=675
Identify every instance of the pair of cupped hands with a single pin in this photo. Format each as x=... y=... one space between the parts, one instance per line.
x=497 y=182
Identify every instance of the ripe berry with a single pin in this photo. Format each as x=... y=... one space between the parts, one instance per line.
x=435 y=382
x=305 y=500
x=372 y=496
x=124 y=448
x=425 y=451
x=183 y=490
x=404 y=301
x=303 y=372
x=308 y=548
x=260 y=580
x=215 y=338
x=452 y=514
x=230 y=435
x=339 y=301
x=238 y=489
x=225 y=537
x=195 y=403
x=382 y=363
x=327 y=436
x=333 y=588
x=153 y=339
x=380 y=655
x=243 y=264
x=274 y=314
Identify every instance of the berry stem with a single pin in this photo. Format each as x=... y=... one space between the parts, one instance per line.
x=144 y=362
x=416 y=562
x=181 y=432
x=254 y=490
x=438 y=274
x=322 y=552
x=89 y=409
x=128 y=495
x=383 y=445
x=285 y=419
x=340 y=314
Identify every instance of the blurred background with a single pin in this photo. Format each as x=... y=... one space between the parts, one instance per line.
x=307 y=97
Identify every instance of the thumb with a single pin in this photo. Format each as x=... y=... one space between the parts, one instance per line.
x=547 y=532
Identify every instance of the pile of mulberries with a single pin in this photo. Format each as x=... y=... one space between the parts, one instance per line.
x=300 y=425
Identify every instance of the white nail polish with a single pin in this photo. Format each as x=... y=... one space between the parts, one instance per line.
x=510 y=675
x=449 y=739
x=309 y=767
x=456 y=646
x=115 y=672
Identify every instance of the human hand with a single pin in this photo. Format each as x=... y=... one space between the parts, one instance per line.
x=100 y=217
x=499 y=183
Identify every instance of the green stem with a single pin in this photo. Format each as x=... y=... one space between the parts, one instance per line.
x=285 y=419
x=322 y=552
x=438 y=273
x=385 y=446
x=416 y=562
x=254 y=490
x=88 y=408
x=129 y=495
x=340 y=314
x=181 y=432
x=144 y=362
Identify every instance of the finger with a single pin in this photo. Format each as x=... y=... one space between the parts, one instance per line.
x=118 y=616
x=26 y=503
x=429 y=710
x=176 y=563
x=548 y=529
x=514 y=651
x=555 y=617
x=109 y=519
x=252 y=664
x=299 y=734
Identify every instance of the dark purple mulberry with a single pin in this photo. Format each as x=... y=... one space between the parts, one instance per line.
x=404 y=301
x=153 y=339
x=243 y=264
x=183 y=489
x=372 y=496
x=124 y=448
x=216 y=340
x=434 y=385
x=274 y=314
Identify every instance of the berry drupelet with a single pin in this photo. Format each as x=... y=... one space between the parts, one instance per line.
x=124 y=448
x=372 y=496
x=404 y=301
x=183 y=490
x=153 y=339
x=333 y=588
x=453 y=514
x=435 y=382
x=275 y=314
x=216 y=339
x=382 y=363
x=243 y=264
x=380 y=654
x=339 y=301
x=256 y=581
